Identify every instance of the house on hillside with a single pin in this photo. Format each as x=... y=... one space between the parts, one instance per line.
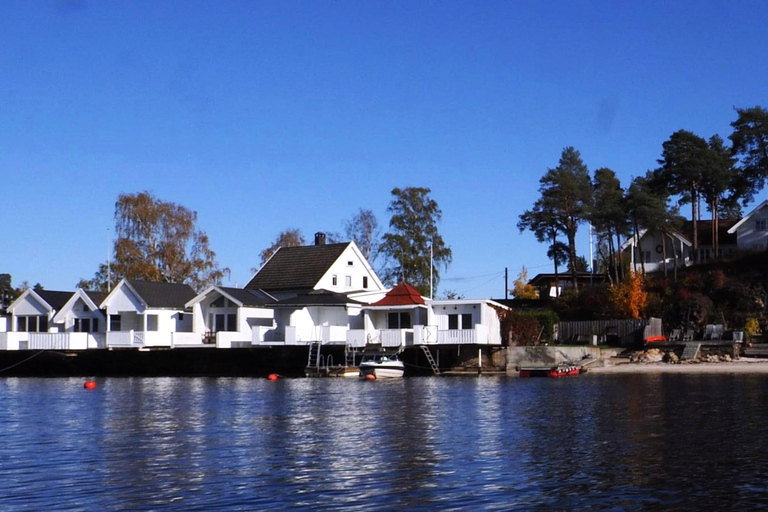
x=650 y=247
x=751 y=231
x=551 y=285
x=647 y=246
x=144 y=314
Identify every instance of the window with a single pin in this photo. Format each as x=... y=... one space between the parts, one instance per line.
x=32 y=324
x=225 y=322
x=350 y=264
x=761 y=225
x=82 y=325
x=95 y=325
x=152 y=322
x=335 y=280
x=365 y=281
x=348 y=281
x=114 y=323
x=181 y=317
x=463 y=321
x=399 y=320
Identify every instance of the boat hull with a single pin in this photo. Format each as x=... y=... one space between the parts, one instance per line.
x=382 y=370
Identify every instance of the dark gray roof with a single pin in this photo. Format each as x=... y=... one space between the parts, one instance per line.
x=248 y=297
x=163 y=295
x=97 y=297
x=315 y=298
x=56 y=300
x=296 y=268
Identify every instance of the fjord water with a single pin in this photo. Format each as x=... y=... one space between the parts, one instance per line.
x=613 y=442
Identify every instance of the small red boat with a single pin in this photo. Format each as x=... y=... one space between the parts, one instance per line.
x=549 y=371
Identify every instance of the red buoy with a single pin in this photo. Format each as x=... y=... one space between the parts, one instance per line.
x=370 y=376
x=272 y=376
x=90 y=384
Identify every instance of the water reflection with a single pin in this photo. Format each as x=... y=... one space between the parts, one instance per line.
x=601 y=442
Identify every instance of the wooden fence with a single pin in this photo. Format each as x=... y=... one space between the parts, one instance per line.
x=615 y=332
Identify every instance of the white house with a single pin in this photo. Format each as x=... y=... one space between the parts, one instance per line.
x=752 y=230
x=144 y=314
x=30 y=315
x=339 y=268
x=650 y=247
x=317 y=293
x=232 y=317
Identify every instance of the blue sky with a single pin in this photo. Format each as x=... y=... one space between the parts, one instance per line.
x=263 y=116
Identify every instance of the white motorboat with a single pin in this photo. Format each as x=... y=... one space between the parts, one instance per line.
x=381 y=366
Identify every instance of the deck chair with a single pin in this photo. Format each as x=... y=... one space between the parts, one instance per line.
x=717 y=332
x=708 y=331
x=688 y=336
x=674 y=335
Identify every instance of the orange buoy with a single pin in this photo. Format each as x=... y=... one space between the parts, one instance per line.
x=90 y=384
x=272 y=376
x=370 y=376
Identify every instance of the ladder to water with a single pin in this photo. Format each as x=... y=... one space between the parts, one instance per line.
x=313 y=358
x=349 y=356
x=430 y=359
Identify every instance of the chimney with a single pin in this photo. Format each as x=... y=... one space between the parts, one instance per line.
x=319 y=238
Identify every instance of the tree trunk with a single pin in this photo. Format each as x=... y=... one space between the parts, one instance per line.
x=572 y=256
x=620 y=268
x=694 y=212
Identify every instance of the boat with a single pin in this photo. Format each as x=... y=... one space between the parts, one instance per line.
x=381 y=366
x=549 y=371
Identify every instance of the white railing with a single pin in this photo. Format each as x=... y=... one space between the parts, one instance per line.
x=122 y=339
x=185 y=339
x=65 y=341
x=425 y=335
x=13 y=340
x=476 y=336
x=395 y=337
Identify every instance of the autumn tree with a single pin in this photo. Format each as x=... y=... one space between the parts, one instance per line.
x=363 y=229
x=567 y=192
x=522 y=289
x=749 y=142
x=288 y=238
x=412 y=237
x=630 y=297
x=158 y=241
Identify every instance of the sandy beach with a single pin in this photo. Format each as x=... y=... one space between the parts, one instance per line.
x=743 y=365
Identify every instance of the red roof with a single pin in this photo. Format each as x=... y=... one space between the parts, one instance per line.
x=401 y=295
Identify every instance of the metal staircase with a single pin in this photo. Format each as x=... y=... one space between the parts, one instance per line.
x=430 y=359
x=313 y=358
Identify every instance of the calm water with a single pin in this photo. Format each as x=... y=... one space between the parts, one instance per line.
x=600 y=442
